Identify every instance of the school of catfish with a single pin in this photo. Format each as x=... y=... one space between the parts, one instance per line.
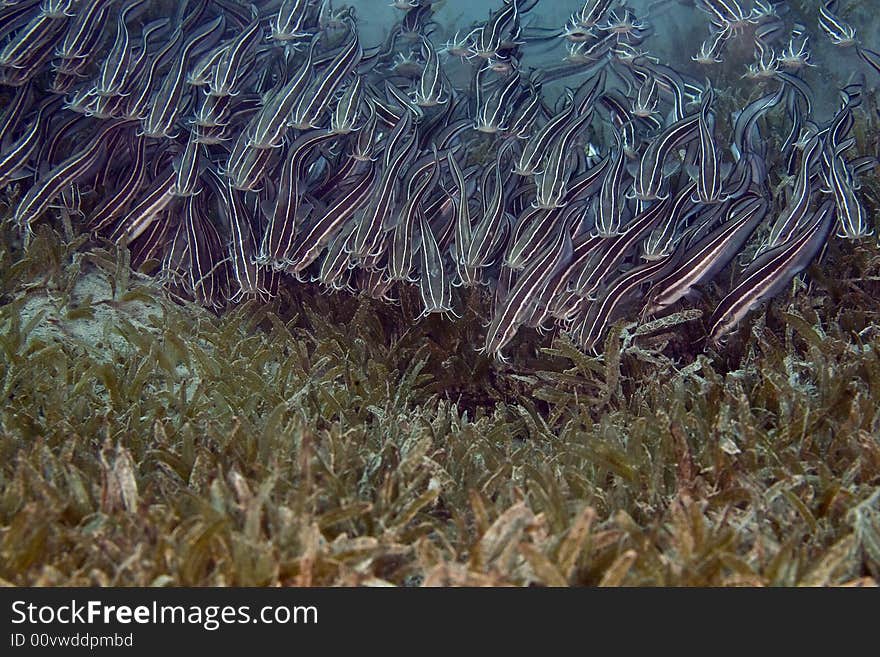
x=248 y=145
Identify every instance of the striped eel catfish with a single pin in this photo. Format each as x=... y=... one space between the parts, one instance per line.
x=772 y=271
x=564 y=174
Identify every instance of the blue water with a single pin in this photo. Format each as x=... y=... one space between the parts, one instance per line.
x=679 y=29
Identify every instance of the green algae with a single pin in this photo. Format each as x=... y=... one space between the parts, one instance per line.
x=330 y=440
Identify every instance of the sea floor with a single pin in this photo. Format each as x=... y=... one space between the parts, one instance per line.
x=333 y=440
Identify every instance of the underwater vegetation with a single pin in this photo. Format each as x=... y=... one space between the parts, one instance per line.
x=324 y=440
x=281 y=307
